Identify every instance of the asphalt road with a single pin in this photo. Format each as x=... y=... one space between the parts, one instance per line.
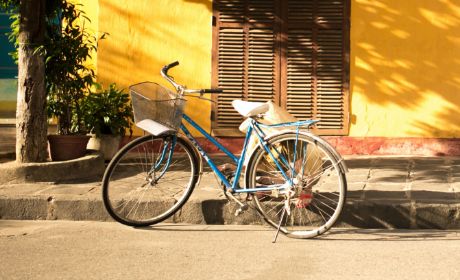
x=98 y=250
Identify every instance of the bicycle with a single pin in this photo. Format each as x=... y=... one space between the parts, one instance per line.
x=295 y=179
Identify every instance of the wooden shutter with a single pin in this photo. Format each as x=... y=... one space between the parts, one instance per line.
x=231 y=75
x=316 y=77
x=262 y=51
x=293 y=52
x=298 y=91
x=246 y=59
x=230 y=64
x=331 y=28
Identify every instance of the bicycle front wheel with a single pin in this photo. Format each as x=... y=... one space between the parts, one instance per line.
x=149 y=180
x=312 y=204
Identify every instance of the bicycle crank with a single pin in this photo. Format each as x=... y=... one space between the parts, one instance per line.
x=243 y=206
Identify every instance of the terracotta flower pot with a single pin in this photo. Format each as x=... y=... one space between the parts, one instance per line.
x=67 y=147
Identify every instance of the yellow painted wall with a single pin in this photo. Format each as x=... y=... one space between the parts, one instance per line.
x=405 y=58
x=405 y=68
x=91 y=9
x=146 y=34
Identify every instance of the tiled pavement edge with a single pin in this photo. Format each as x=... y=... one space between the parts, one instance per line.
x=383 y=192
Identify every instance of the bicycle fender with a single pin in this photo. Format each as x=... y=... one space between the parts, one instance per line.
x=343 y=167
x=333 y=151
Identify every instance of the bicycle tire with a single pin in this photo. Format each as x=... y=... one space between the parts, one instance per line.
x=135 y=194
x=319 y=194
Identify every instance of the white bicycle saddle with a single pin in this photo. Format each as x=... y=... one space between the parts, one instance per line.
x=249 y=109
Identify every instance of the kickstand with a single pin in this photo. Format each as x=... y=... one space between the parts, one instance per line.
x=279 y=225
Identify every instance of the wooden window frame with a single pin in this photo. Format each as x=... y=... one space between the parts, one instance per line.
x=281 y=31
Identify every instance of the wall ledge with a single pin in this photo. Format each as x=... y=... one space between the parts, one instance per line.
x=371 y=145
x=346 y=145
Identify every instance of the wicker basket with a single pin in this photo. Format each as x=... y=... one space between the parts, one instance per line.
x=155 y=102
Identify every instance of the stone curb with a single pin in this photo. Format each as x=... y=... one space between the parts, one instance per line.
x=86 y=167
x=357 y=213
x=428 y=197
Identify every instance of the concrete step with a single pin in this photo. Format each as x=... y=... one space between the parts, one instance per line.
x=383 y=192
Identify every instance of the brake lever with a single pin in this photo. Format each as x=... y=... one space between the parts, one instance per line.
x=207 y=99
x=201 y=97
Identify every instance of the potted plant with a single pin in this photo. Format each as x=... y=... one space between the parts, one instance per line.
x=108 y=115
x=67 y=50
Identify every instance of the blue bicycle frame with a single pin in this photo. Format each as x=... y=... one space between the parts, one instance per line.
x=256 y=127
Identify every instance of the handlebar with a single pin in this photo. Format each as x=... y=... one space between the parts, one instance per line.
x=164 y=74
x=169 y=66
x=211 y=90
x=181 y=89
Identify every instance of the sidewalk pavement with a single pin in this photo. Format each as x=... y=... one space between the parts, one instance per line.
x=383 y=192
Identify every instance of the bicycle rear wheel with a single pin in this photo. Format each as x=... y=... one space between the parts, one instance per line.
x=314 y=202
x=149 y=180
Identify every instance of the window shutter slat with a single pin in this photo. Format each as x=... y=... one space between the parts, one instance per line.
x=231 y=74
x=261 y=51
x=261 y=11
x=330 y=12
x=231 y=11
x=299 y=71
x=261 y=65
x=330 y=99
x=300 y=12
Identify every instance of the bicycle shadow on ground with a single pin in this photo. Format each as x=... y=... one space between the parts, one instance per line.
x=340 y=234
x=203 y=228
x=335 y=234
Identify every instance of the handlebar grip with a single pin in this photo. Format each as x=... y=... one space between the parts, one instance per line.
x=174 y=64
x=211 y=90
x=169 y=66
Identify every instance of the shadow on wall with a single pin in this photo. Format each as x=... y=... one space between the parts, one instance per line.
x=405 y=61
x=406 y=56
